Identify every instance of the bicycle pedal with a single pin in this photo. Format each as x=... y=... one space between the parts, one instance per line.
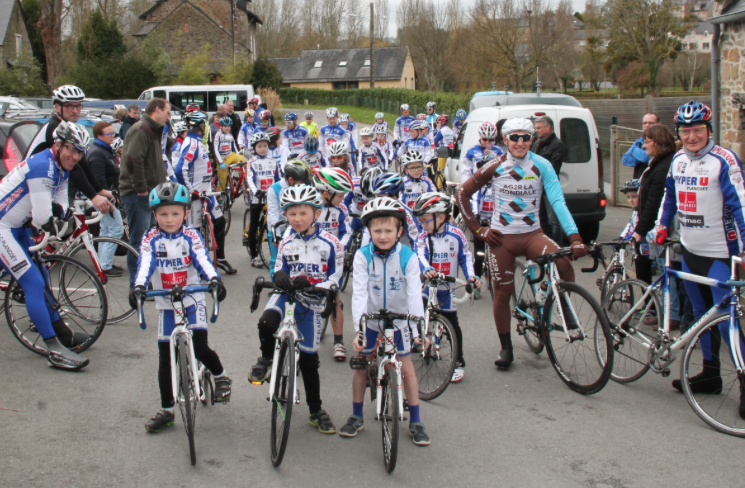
x=297 y=398
x=406 y=405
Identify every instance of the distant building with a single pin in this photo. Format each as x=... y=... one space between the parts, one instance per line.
x=14 y=40
x=699 y=38
x=187 y=25
x=341 y=69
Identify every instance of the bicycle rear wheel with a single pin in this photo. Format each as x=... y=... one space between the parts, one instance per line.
x=187 y=397
x=529 y=330
x=614 y=277
x=283 y=398
x=583 y=362
x=389 y=418
x=117 y=289
x=74 y=292
x=208 y=234
x=434 y=367
x=246 y=222
x=263 y=242
x=348 y=263
x=630 y=341
x=719 y=411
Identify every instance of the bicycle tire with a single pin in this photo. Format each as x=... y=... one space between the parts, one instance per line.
x=324 y=326
x=630 y=349
x=117 y=289
x=348 y=263
x=187 y=399
x=246 y=222
x=263 y=242
x=723 y=415
x=614 y=276
x=208 y=235
x=283 y=398
x=434 y=371
x=557 y=346
x=531 y=332
x=65 y=299
x=389 y=407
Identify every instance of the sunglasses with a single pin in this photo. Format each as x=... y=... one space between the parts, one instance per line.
x=520 y=137
x=425 y=222
x=418 y=167
x=74 y=106
x=108 y=134
x=337 y=158
x=488 y=140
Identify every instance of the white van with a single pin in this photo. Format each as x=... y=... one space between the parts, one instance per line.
x=581 y=174
x=208 y=97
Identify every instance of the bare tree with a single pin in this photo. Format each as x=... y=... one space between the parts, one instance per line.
x=382 y=15
x=560 y=53
x=50 y=25
x=279 y=34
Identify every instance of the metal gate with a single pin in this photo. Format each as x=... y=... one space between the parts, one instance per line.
x=621 y=139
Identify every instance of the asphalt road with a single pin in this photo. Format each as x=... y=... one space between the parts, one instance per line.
x=522 y=427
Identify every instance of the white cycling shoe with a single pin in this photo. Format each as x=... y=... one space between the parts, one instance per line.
x=340 y=352
x=458 y=374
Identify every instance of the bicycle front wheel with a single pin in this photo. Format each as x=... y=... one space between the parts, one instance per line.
x=719 y=408
x=187 y=397
x=529 y=330
x=116 y=288
x=583 y=361
x=74 y=292
x=283 y=398
x=614 y=277
x=389 y=418
x=246 y=222
x=348 y=263
x=434 y=367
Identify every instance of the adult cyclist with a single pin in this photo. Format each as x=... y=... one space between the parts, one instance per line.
x=518 y=180
x=705 y=189
x=486 y=145
x=401 y=128
x=35 y=193
x=293 y=136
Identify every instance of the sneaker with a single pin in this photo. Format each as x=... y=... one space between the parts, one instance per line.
x=257 y=262
x=457 y=374
x=419 y=434
x=164 y=418
x=322 y=422
x=114 y=266
x=340 y=352
x=222 y=389
x=352 y=427
x=113 y=272
x=650 y=320
x=505 y=359
x=260 y=371
x=224 y=265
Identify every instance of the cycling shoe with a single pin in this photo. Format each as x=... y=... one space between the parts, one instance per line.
x=67 y=336
x=63 y=358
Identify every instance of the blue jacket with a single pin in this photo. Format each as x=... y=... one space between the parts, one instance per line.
x=636 y=154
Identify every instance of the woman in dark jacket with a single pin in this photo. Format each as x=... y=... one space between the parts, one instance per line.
x=105 y=169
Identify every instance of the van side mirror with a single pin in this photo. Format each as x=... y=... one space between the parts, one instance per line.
x=443 y=152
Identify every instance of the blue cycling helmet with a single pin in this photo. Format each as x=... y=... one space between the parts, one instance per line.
x=169 y=193
x=194 y=119
x=388 y=184
x=291 y=117
x=631 y=185
x=693 y=112
x=311 y=144
x=226 y=121
x=461 y=114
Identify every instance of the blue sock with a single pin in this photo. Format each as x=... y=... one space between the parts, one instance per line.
x=414 y=414
x=357 y=409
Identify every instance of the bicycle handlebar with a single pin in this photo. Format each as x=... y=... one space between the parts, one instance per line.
x=597 y=254
x=47 y=237
x=450 y=279
x=330 y=294
x=387 y=316
x=96 y=219
x=178 y=292
x=544 y=259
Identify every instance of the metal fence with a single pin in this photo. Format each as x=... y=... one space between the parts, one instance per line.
x=621 y=139
x=604 y=129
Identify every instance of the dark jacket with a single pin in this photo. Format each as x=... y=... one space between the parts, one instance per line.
x=126 y=124
x=553 y=150
x=235 y=127
x=651 y=192
x=103 y=164
x=142 y=158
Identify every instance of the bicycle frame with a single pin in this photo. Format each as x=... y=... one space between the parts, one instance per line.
x=81 y=233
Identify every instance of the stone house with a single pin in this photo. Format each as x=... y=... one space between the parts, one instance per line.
x=341 y=69
x=187 y=25
x=14 y=40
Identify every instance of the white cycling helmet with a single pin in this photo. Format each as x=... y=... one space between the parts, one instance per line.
x=258 y=137
x=404 y=107
x=432 y=202
x=432 y=105
x=380 y=115
x=117 y=144
x=67 y=93
x=487 y=130
x=418 y=125
x=338 y=148
x=517 y=124
x=74 y=134
x=344 y=118
x=300 y=195
x=179 y=127
x=366 y=131
x=383 y=207
x=412 y=156
x=380 y=129
x=334 y=180
x=332 y=112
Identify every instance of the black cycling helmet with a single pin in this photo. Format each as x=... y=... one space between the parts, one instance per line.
x=631 y=185
x=169 y=193
x=273 y=133
x=299 y=170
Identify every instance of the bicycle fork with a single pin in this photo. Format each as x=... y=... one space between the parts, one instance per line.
x=390 y=358
x=562 y=312
x=182 y=337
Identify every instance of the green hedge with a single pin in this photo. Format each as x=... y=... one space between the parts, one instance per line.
x=382 y=99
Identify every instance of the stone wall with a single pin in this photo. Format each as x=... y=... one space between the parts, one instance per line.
x=732 y=96
x=15 y=26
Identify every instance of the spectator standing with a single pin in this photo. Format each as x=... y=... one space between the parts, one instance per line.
x=133 y=115
x=636 y=157
x=550 y=147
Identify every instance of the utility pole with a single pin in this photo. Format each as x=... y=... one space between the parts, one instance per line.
x=232 y=26
x=372 y=28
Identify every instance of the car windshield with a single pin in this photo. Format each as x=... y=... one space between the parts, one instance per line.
x=19 y=104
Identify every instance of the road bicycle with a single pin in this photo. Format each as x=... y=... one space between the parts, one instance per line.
x=617 y=269
x=71 y=289
x=627 y=305
x=190 y=379
x=354 y=245
x=572 y=328
x=233 y=187
x=262 y=238
x=434 y=365
x=385 y=379
x=283 y=393
x=207 y=226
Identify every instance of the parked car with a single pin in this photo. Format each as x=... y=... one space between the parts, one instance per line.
x=581 y=175
x=15 y=104
x=502 y=99
x=15 y=137
x=41 y=102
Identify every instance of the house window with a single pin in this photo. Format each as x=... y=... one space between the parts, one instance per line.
x=19 y=40
x=691 y=47
x=318 y=64
x=707 y=46
x=353 y=85
x=340 y=85
x=343 y=63
x=367 y=62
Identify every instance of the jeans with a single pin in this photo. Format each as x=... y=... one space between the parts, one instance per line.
x=111 y=226
x=140 y=219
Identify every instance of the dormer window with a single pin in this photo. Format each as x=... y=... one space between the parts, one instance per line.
x=367 y=62
x=343 y=63
x=318 y=64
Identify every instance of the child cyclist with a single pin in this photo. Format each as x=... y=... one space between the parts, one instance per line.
x=247 y=130
x=307 y=256
x=224 y=142
x=442 y=248
x=339 y=158
x=312 y=155
x=391 y=185
x=277 y=150
x=386 y=276
x=415 y=184
x=174 y=254
x=370 y=154
x=294 y=135
x=261 y=173
x=380 y=122
x=362 y=193
x=631 y=190
x=334 y=184
x=385 y=146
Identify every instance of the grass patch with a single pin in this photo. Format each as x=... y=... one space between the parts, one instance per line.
x=358 y=114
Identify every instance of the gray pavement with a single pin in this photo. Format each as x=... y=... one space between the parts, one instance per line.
x=522 y=427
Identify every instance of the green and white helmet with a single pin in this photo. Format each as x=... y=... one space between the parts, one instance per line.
x=334 y=180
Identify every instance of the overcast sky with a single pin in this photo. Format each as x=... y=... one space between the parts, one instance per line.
x=579 y=6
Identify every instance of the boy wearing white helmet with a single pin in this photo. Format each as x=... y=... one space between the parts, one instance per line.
x=401 y=129
x=262 y=171
x=386 y=147
x=414 y=182
x=307 y=256
x=486 y=145
x=380 y=122
x=518 y=180
x=370 y=155
x=247 y=130
x=418 y=141
x=333 y=132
